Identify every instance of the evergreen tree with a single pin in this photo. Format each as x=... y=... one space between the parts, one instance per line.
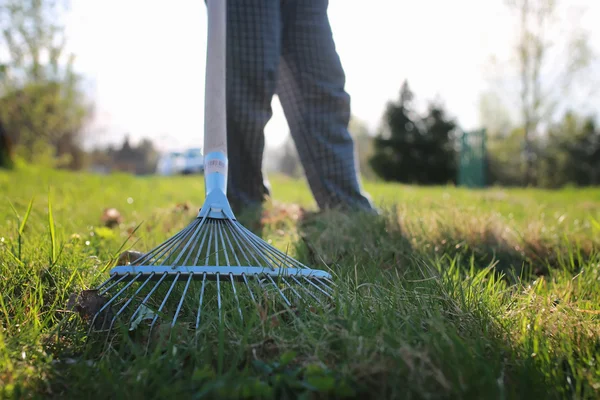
x=412 y=149
x=394 y=148
x=439 y=152
x=583 y=154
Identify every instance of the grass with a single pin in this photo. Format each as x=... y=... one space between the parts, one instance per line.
x=452 y=293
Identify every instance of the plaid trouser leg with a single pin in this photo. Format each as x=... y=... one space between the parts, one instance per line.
x=253 y=53
x=316 y=105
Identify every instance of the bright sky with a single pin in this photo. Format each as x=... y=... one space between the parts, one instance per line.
x=145 y=59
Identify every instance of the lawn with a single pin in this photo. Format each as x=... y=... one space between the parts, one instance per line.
x=452 y=293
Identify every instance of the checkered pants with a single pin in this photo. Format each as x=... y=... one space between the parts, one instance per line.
x=286 y=47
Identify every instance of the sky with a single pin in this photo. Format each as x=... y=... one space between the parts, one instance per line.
x=144 y=61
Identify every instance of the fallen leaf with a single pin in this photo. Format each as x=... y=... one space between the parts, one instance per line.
x=130 y=257
x=111 y=217
x=182 y=207
x=144 y=313
x=87 y=304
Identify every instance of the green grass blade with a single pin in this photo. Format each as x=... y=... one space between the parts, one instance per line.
x=595 y=224
x=26 y=217
x=52 y=233
x=19 y=239
x=22 y=227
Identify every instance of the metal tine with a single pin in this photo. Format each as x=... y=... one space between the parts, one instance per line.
x=279 y=290
x=235 y=224
x=306 y=290
x=156 y=315
x=235 y=295
x=323 y=283
x=223 y=244
x=177 y=248
x=143 y=303
x=233 y=249
x=201 y=298
x=291 y=288
x=240 y=240
x=230 y=274
x=321 y=290
x=208 y=246
x=152 y=253
x=219 y=295
x=244 y=253
x=243 y=246
x=265 y=246
x=249 y=289
x=259 y=281
x=257 y=246
x=164 y=247
x=139 y=289
x=283 y=258
x=110 y=278
x=280 y=255
x=216 y=229
x=238 y=263
x=100 y=293
x=328 y=281
x=182 y=298
x=268 y=281
x=196 y=232
x=278 y=264
x=200 y=246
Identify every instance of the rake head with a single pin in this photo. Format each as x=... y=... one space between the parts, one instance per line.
x=214 y=266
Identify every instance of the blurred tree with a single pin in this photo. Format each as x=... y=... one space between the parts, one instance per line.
x=289 y=161
x=584 y=155
x=547 y=73
x=571 y=153
x=394 y=147
x=147 y=156
x=41 y=104
x=141 y=159
x=440 y=145
x=504 y=141
x=494 y=115
x=364 y=147
x=413 y=149
x=504 y=164
x=5 y=148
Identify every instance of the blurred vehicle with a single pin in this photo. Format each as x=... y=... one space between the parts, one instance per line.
x=190 y=161
x=193 y=162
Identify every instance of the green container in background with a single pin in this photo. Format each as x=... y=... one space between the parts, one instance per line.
x=472 y=159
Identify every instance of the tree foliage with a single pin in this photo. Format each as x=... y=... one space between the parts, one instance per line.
x=415 y=149
x=287 y=160
x=569 y=154
x=550 y=65
x=42 y=106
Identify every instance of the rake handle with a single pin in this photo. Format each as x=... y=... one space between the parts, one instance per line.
x=215 y=117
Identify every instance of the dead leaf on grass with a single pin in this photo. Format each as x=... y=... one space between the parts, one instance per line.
x=266 y=349
x=87 y=304
x=143 y=314
x=182 y=207
x=130 y=257
x=111 y=217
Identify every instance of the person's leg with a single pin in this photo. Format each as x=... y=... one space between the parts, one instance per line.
x=253 y=53
x=317 y=107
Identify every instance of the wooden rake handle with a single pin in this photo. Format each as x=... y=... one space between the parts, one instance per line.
x=215 y=111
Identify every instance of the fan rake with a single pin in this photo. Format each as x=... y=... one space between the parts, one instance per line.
x=214 y=258
x=220 y=264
